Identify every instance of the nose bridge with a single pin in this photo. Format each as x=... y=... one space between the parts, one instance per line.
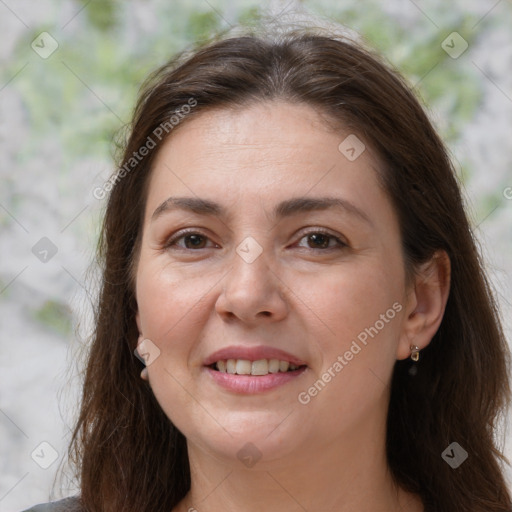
x=252 y=286
x=251 y=264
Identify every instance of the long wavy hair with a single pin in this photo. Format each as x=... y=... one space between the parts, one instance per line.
x=127 y=454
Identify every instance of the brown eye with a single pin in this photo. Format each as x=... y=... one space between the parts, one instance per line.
x=323 y=240
x=319 y=240
x=192 y=240
x=196 y=241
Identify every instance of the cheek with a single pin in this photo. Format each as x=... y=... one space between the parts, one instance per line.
x=165 y=299
x=352 y=298
x=357 y=339
x=358 y=321
x=169 y=309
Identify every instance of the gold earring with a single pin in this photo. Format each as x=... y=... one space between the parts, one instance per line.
x=415 y=353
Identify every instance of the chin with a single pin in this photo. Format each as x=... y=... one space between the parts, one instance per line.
x=252 y=438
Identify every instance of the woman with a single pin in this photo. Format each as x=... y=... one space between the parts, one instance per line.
x=286 y=249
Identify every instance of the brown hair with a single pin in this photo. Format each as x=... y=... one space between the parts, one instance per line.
x=129 y=455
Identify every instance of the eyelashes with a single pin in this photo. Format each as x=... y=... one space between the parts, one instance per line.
x=171 y=243
x=320 y=237
x=325 y=235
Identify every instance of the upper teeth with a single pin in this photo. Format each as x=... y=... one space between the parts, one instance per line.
x=259 y=367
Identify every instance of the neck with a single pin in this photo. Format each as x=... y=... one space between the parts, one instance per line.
x=348 y=475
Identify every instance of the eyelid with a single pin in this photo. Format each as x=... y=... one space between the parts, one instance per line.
x=169 y=241
x=341 y=242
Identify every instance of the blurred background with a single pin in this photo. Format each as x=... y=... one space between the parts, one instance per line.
x=69 y=74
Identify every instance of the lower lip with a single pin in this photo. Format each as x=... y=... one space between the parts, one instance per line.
x=250 y=384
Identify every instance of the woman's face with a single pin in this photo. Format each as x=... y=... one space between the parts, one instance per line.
x=267 y=271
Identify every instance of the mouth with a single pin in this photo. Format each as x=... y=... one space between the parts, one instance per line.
x=260 y=367
x=249 y=370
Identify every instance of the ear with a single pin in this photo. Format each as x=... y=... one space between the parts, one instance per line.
x=425 y=304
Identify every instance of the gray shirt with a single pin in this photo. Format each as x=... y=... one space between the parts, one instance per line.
x=71 y=504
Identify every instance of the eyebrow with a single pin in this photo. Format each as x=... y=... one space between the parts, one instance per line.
x=284 y=209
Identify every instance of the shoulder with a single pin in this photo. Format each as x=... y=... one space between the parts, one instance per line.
x=71 y=504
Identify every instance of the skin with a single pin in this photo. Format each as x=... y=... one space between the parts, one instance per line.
x=328 y=454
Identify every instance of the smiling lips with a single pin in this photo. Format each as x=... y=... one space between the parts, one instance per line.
x=258 y=367
x=253 y=369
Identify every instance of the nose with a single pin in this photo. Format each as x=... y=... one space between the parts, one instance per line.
x=252 y=292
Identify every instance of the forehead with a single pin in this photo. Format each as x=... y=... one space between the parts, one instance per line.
x=271 y=149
